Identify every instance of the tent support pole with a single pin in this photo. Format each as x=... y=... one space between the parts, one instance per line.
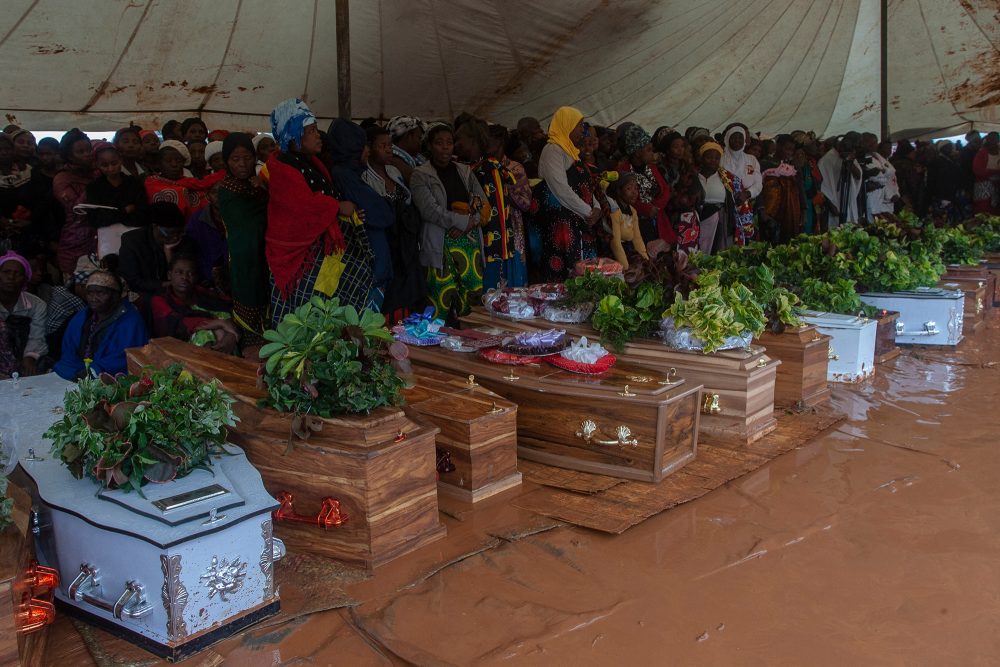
x=884 y=62
x=343 y=60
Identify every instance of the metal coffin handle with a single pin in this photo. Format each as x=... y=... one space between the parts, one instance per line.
x=329 y=513
x=589 y=434
x=930 y=329
x=131 y=603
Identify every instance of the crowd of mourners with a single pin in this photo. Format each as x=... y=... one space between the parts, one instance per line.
x=214 y=236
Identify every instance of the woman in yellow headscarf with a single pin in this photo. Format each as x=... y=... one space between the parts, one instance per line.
x=567 y=209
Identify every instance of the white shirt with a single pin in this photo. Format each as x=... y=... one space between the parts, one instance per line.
x=552 y=167
x=715 y=189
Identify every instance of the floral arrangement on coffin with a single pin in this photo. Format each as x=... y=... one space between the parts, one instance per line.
x=126 y=431
x=718 y=317
x=325 y=359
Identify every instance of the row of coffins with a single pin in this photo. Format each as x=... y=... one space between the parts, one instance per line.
x=187 y=562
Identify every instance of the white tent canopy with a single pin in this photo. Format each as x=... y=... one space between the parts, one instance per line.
x=776 y=65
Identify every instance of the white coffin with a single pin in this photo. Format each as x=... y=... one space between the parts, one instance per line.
x=852 y=345
x=927 y=316
x=170 y=573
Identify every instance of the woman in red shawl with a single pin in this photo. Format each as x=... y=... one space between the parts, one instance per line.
x=303 y=229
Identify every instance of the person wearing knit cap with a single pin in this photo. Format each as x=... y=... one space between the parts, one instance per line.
x=263 y=145
x=171 y=184
x=213 y=156
x=217 y=135
x=638 y=157
x=66 y=301
x=96 y=337
x=22 y=319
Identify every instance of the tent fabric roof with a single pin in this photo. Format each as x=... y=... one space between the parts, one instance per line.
x=776 y=65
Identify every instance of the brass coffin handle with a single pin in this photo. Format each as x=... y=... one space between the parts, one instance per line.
x=671 y=378
x=979 y=306
x=589 y=434
x=710 y=406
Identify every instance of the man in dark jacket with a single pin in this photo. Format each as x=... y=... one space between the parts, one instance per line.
x=145 y=253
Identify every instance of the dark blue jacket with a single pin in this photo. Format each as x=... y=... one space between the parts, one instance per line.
x=123 y=330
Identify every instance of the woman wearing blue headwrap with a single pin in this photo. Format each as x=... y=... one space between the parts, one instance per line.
x=303 y=230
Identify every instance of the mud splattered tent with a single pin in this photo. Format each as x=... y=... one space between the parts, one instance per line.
x=777 y=65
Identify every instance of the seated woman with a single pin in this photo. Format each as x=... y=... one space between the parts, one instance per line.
x=183 y=308
x=97 y=337
x=22 y=319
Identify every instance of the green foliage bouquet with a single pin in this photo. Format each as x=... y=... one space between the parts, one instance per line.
x=325 y=359
x=126 y=431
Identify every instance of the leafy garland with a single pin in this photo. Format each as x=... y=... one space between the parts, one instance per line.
x=324 y=359
x=715 y=313
x=126 y=431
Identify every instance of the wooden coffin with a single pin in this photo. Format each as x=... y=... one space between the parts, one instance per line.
x=801 y=377
x=992 y=264
x=26 y=590
x=885 y=337
x=363 y=489
x=477 y=441
x=974 y=313
x=622 y=423
x=740 y=383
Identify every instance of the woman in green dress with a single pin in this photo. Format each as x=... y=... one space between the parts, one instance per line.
x=243 y=204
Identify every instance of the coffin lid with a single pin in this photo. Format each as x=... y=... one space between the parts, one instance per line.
x=837 y=321
x=919 y=293
x=240 y=492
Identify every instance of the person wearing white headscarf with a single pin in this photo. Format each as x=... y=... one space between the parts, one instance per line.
x=738 y=162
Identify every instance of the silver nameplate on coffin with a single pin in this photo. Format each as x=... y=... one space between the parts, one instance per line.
x=189 y=497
